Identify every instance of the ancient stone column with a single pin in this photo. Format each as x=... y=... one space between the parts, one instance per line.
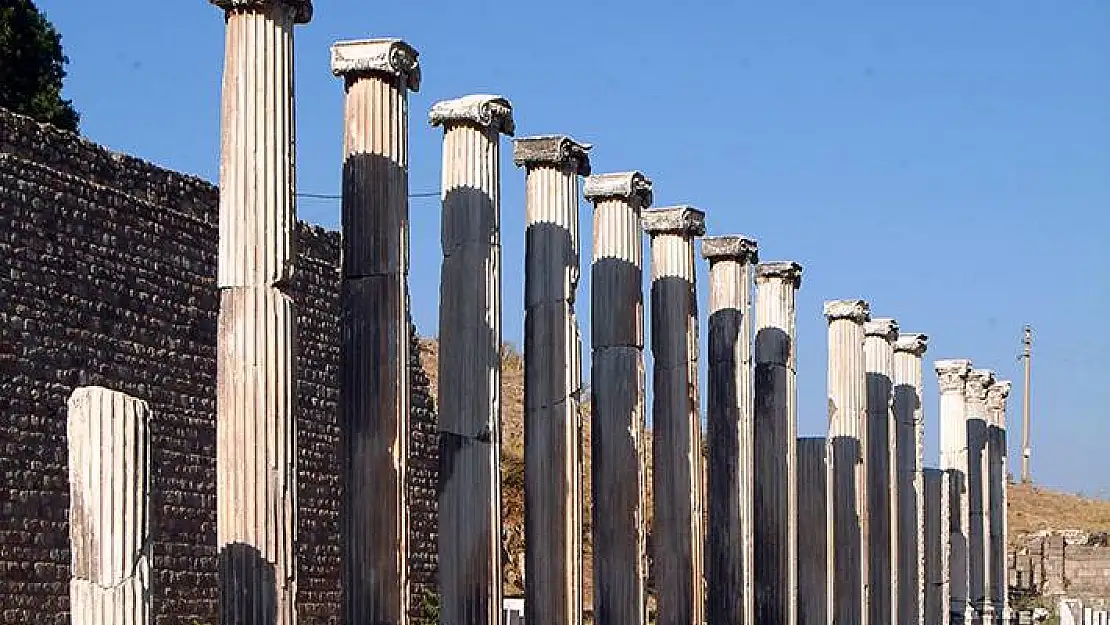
x=678 y=530
x=952 y=377
x=997 y=500
x=109 y=508
x=469 y=399
x=978 y=381
x=256 y=434
x=908 y=494
x=729 y=424
x=774 y=456
x=847 y=386
x=936 y=546
x=374 y=327
x=617 y=392
x=814 y=559
x=879 y=436
x=552 y=379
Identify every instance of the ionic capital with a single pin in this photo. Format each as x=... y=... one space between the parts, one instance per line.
x=487 y=111
x=629 y=185
x=553 y=151
x=882 y=327
x=302 y=9
x=685 y=220
x=786 y=270
x=730 y=247
x=978 y=381
x=392 y=57
x=854 y=309
x=914 y=344
x=952 y=375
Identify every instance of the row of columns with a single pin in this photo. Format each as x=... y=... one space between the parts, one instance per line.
x=973 y=451
x=866 y=509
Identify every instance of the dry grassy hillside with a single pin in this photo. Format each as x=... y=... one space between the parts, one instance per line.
x=1032 y=508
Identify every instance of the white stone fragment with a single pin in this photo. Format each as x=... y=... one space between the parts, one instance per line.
x=109 y=514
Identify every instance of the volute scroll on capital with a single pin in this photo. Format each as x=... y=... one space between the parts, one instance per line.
x=485 y=110
x=302 y=9
x=911 y=343
x=633 y=186
x=735 y=247
x=883 y=327
x=552 y=151
x=952 y=374
x=685 y=220
x=854 y=309
x=392 y=57
x=785 y=270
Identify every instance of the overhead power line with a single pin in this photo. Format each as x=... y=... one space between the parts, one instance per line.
x=325 y=196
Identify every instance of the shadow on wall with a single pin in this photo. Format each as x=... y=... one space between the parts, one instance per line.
x=253 y=584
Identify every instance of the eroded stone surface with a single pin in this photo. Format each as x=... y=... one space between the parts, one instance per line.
x=735 y=247
x=685 y=220
x=851 y=309
x=631 y=185
x=489 y=111
x=552 y=151
x=392 y=57
x=110 y=541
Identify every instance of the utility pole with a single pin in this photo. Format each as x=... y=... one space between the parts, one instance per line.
x=1027 y=355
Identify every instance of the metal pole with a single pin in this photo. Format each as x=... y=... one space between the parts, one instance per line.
x=1025 y=449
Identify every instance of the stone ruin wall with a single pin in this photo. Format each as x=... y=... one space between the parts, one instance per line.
x=108 y=278
x=1064 y=564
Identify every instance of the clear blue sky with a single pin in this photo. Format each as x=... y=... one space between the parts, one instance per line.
x=948 y=160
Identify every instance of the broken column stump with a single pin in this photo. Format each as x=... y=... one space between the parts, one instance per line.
x=109 y=508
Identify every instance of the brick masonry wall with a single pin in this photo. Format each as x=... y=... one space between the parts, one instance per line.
x=107 y=278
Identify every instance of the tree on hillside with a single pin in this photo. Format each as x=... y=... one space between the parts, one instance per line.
x=32 y=65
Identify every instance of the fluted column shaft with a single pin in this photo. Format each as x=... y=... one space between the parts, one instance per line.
x=730 y=414
x=814 y=558
x=109 y=508
x=678 y=531
x=374 y=329
x=848 y=531
x=908 y=481
x=256 y=434
x=552 y=380
x=469 y=400
x=995 y=503
x=936 y=547
x=617 y=390
x=952 y=376
x=878 y=346
x=774 y=456
x=979 y=380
